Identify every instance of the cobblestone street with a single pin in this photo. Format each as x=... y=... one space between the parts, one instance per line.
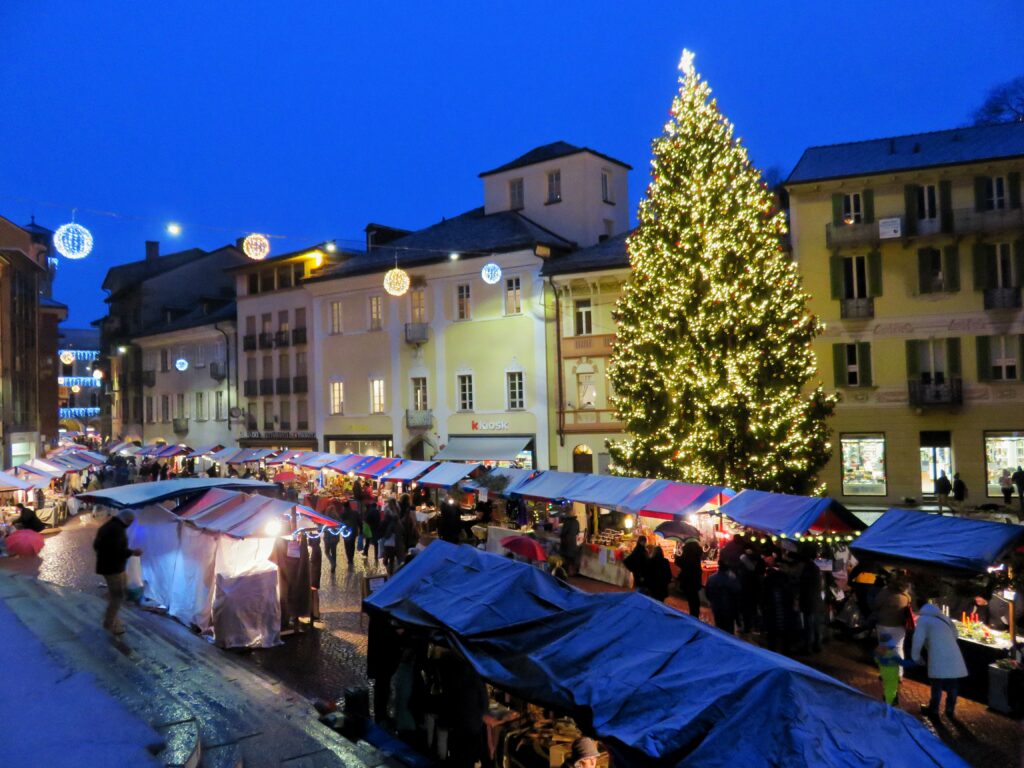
x=322 y=663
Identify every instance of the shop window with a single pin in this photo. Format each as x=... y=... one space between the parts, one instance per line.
x=936 y=455
x=1004 y=451
x=863 y=463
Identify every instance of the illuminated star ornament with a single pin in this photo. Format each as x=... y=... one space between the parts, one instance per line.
x=686 y=62
x=256 y=246
x=72 y=241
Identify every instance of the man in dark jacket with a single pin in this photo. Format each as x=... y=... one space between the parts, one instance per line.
x=636 y=563
x=812 y=603
x=959 y=492
x=568 y=543
x=112 y=553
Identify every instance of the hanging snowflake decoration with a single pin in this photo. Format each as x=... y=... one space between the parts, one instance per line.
x=396 y=281
x=256 y=246
x=72 y=241
x=491 y=273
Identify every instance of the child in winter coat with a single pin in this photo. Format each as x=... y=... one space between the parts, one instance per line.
x=889 y=662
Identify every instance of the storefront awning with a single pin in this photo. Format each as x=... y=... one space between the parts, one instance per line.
x=483 y=448
x=954 y=543
x=446 y=475
x=680 y=499
x=516 y=478
x=782 y=514
x=377 y=468
x=408 y=471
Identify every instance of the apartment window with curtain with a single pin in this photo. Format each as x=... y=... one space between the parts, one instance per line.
x=267 y=323
x=200 y=406
x=376 y=395
x=516 y=198
x=284 y=409
x=419 y=393
x=165 y=408
x=417 y=306
x=853 y=212
x=999 y=357
x=282 y=320
x=462 y=299
x=515 y=390
x=927 y=202
x=554 y=186
x=464 y=386
x=336 y=325
x=513 y=296
x=337 y=398
x=300 y=363
x=583 y=324
x=268 y=415
x=995 y=193
x=376 y=313
x=218 y=399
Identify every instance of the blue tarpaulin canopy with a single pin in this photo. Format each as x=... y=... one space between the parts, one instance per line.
x=408 y=471
x=947 y=542
x=626 y=494
x=516 y=478
x=782 y=514
x=657 y=687
x=447 y=474
x=552 y=484
x=141 y=494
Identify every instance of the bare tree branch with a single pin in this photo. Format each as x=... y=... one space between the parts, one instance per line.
x=1004 y=104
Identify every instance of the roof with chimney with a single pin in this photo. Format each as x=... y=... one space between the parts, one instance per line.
x=955 y=146
x=610 y=254
x=134 y=272
x=551 y=151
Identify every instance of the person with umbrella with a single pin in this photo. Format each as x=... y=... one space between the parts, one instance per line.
x=657 y=575
x=112 y=553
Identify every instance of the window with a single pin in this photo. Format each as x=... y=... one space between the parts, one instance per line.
x=250 y=325
x=200 y=409
x=938 y=271
x=298 y=272
x=863 y=461
x=336 y=325
x=514 y=388
x=301 y=415
x=250 y=420
x=515 y=195
x=464 y=382
x=376 y=395
x=376 y=316
x=267 y=322
x=254 y=284
x=419 y=393
x=936 y=457
x=300 y=316
x=583 y=323
x=554 y=186
x=1004 y=452
x=268 y=415
x=300 y=363
x=462 y=302
x=852 y=209
x=250 y=368
x=284 y=277
x=199 y=359
x=149 y=409
x=268 y=367
x=995 y=193
x=586 y=390
x=1003 y=272
x=284 y=409
x=606 y=186
x=855 y=277
x=179 y=410
x=337 y=398
x=998 y=357
x=852 y=368
x=417 y=306
x=513 y=296
x=927 y=202
x=164 y=363
x=218 y=402
x=282 y=321
x=266 y=280
x=165 y=408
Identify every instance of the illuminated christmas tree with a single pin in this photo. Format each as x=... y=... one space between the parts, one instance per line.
x=712 y=364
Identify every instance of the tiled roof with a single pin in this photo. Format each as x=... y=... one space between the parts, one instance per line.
x=551 y=151
x=611 y=254
x=194 y=319
x=903 y=153
x=471 y=234
x=125 y=275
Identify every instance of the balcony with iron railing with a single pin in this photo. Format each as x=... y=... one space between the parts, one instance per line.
x=594 y=345
x=249 y=342
x=590 y=420
x=266 y=386
x=419 y=418
x=282 y=339
x=251 y=424
x=302 y=426
x=1002 y=298
x=180 y=425
x=284 y=385
x=852 y=235
x=298 y=335
x=417 y=333
x=218 y=371
x=300 y=385
x=266 y=341
x=857 y=309
x=940 y=391
x=967 y=221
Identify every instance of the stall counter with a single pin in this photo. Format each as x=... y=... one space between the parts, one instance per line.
x=602 y=563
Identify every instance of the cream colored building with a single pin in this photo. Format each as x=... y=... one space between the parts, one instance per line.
x=912 y=249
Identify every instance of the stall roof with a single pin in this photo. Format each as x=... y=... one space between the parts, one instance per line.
x=242 y=456
x=285 y=457
x=955 y=543
x=318 y=460
x=516 y=478
x=224 y=454
x=625 y=494
x=780 y=513
x=377 y=468
x=52 y=468
x=205 y=449
x=171 y=451
x=243 y=514
x=140 y=494
x=655 y=686
x=678 y=499
x=483 y=448
x=553 y=485
x=9 y=482
x=447 y=474
x=349 y=463
x=408 y=471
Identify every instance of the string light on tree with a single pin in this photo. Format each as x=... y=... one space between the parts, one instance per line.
x=72 y=241
x=491 y=273
x=256 y=246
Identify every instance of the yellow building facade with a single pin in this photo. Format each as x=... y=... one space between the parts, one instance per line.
x=912 y=250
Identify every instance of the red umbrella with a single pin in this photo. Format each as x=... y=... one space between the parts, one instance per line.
x=25 y=543
x=284 y=477
x=525 y=547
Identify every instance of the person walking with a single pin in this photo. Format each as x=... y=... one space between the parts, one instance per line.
x=892 y=612
x=350 y=519
x=112 y=553
x=1018 y=481
x=658 y=575
x=812 y=603
x=776 y=605
x=388 y=534
x=724 y=592
x=690 y=562
x=959 y=492
x=569 y=543
x=636 y=563
x=942 y=490
x=1006 y=486
x=937 y=635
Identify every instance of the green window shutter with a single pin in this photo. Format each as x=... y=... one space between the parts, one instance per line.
x=864 y=362
x=874 y=274
x=984 y=347
x=837 y=210
x=1020 y=358
x=946 y=206
x=951 y=268
x=979 y=193
x=835 y=268
x=982 y=273
x=913 y=368
x=868 y=203
x=910 y=192
x=953 y=357
x=839 y=364
x=1013 y=179
x=1018 y=263
x=924 y=272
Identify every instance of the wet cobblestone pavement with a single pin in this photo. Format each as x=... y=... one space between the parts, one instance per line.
x=322 y=663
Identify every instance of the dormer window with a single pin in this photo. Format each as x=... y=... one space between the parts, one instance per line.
x=606 y=186
x=515 y=194
x=554 y=186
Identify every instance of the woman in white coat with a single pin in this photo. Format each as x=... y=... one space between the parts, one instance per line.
x=937 y=635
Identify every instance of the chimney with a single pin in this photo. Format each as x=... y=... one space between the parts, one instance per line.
x=152 y=250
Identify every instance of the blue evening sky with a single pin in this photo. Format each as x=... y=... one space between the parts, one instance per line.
x=310 y=119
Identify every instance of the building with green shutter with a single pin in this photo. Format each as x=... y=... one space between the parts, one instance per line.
x=912 y=249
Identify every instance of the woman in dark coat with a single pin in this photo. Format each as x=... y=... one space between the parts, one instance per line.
x=658 y=575
x=28 y=520
x=636 y=563
x=690 y=562
x=568 y=545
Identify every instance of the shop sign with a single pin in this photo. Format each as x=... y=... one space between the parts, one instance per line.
x=257 y=435
x=889 y=228
x=489 y=426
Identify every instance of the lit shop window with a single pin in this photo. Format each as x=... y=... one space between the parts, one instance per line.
x=863 y=465
x=1003 y=451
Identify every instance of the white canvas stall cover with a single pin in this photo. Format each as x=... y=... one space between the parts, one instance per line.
x=155 y=531
x=247 y=610
x=192 y=591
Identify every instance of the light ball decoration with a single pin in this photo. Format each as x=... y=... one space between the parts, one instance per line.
x=67 y=357
x=97 y=374
x=181 y=364
x=76 y=389
x=490 y=273
x=396 y=281
x=256 y=246
x=72 y=241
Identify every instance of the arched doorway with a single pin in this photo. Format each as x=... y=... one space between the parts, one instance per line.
x=583 y=459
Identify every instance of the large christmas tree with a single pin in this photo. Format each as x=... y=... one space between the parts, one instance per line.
x=712 y=360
